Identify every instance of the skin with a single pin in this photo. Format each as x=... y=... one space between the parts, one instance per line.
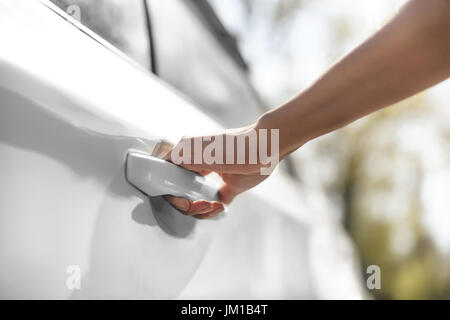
x=409 y=54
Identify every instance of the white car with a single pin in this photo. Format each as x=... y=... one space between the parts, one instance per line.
x=72 y=106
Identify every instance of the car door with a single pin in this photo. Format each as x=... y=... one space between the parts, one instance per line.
x=71 y=108
x=195 y=54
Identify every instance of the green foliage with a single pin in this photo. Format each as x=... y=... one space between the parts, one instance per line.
x=383 y=207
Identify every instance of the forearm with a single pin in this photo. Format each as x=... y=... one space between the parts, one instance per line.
x=408 y=55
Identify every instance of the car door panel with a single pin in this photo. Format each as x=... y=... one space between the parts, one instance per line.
x=78 y=209
x=79 y=199
x=71 y=109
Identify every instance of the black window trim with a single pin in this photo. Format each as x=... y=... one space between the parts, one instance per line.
x=153 y=65
x=91 y=34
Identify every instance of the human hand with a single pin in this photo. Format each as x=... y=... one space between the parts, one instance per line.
x=237 y=176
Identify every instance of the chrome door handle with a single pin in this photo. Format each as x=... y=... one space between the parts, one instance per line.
x=157 y=177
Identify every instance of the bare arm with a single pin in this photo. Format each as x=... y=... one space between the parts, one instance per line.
x=408 y=55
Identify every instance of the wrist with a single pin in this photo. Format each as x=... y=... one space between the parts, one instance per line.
x=269 y=122
x=290 y=137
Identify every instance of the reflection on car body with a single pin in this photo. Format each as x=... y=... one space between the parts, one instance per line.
x=72 y=107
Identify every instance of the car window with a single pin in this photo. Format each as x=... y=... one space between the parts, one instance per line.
x=123 y=23
x=190 y=56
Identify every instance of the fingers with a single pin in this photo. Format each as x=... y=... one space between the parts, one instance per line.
x=180 y=203
x=198 y=209
x=225 y=168
x=189 y=207
x=233 y=153
x=217 y=208
x=200 y=171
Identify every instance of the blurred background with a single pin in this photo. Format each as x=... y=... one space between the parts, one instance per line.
x=387 y=176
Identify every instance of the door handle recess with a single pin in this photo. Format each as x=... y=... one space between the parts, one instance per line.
x=157 y=177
